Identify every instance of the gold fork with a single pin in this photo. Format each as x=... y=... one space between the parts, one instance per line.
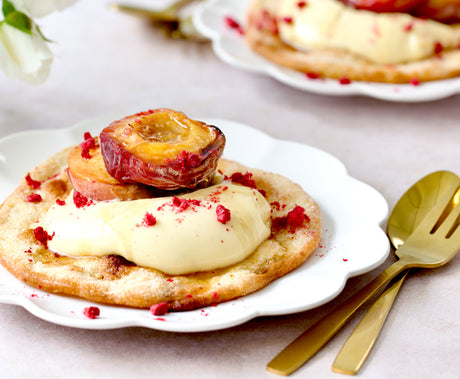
x=434 y=242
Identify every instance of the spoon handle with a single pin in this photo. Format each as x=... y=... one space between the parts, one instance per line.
x=312 y=340
x=358 y=346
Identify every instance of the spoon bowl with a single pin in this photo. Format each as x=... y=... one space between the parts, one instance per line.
x=434 y=241
x=415 y=204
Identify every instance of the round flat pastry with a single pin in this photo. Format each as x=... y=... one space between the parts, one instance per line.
x=263 y=36
x=112 y=279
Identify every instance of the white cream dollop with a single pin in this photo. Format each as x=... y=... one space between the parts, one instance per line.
x=387 y=38
x=181 y=241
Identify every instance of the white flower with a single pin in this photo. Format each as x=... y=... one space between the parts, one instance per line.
x=24 y=56
x=40 y=8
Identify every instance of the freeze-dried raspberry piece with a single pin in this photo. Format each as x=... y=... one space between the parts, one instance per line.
x=91 y=312
x=159 y=309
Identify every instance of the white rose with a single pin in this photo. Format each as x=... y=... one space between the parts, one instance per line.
x=24 y=56
x=40 y=8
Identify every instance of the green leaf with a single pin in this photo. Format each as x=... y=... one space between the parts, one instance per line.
x=42 y=35
x=19 y=21
x=7 y=8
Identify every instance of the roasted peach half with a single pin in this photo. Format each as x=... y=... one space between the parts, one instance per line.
x=446 y=11
x=161 y=148
x=381 y=6
x=88 y=175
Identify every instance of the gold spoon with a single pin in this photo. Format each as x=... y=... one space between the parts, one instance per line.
x=433 y=243
x=406 y=216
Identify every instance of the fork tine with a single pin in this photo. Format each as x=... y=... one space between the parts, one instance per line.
x=450 y=218
x=439 y=212
x=454 y=231
x=450 y=199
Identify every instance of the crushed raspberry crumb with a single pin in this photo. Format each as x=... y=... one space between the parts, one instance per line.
x=91 y=312
x=408 y=27
x=345 y=259
x=81 y=200
x=287 y=19
x=297 y=216
x=245 y=180
x=87 y=145
x=183 y=204
x=34 y=198
x=42 y=236
x=344 y=81
x=149 y=219
x=438 y=48
x=223 y=214
x=144 y=113
x=277 y=206
x=188 y=296
x=293 y=220
x=184 y=162
x=312 y=75
x=233 y=24
x=170 y=280
x=301 y=4
x=268 y=22
x=85 y=152
x=215 y=296
x=35 y=184
x=159 y=309
x=415 y=81
x=60 y=202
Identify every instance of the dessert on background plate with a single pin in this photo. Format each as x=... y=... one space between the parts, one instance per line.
x=398 y=41
x=148 y=213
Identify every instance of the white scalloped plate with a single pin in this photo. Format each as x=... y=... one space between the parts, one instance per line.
x=353 y=242
x=230 y=47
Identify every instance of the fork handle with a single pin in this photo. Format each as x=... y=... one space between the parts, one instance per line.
x=312 y=340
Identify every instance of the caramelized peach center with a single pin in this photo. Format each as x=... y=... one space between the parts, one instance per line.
x=164 y=135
